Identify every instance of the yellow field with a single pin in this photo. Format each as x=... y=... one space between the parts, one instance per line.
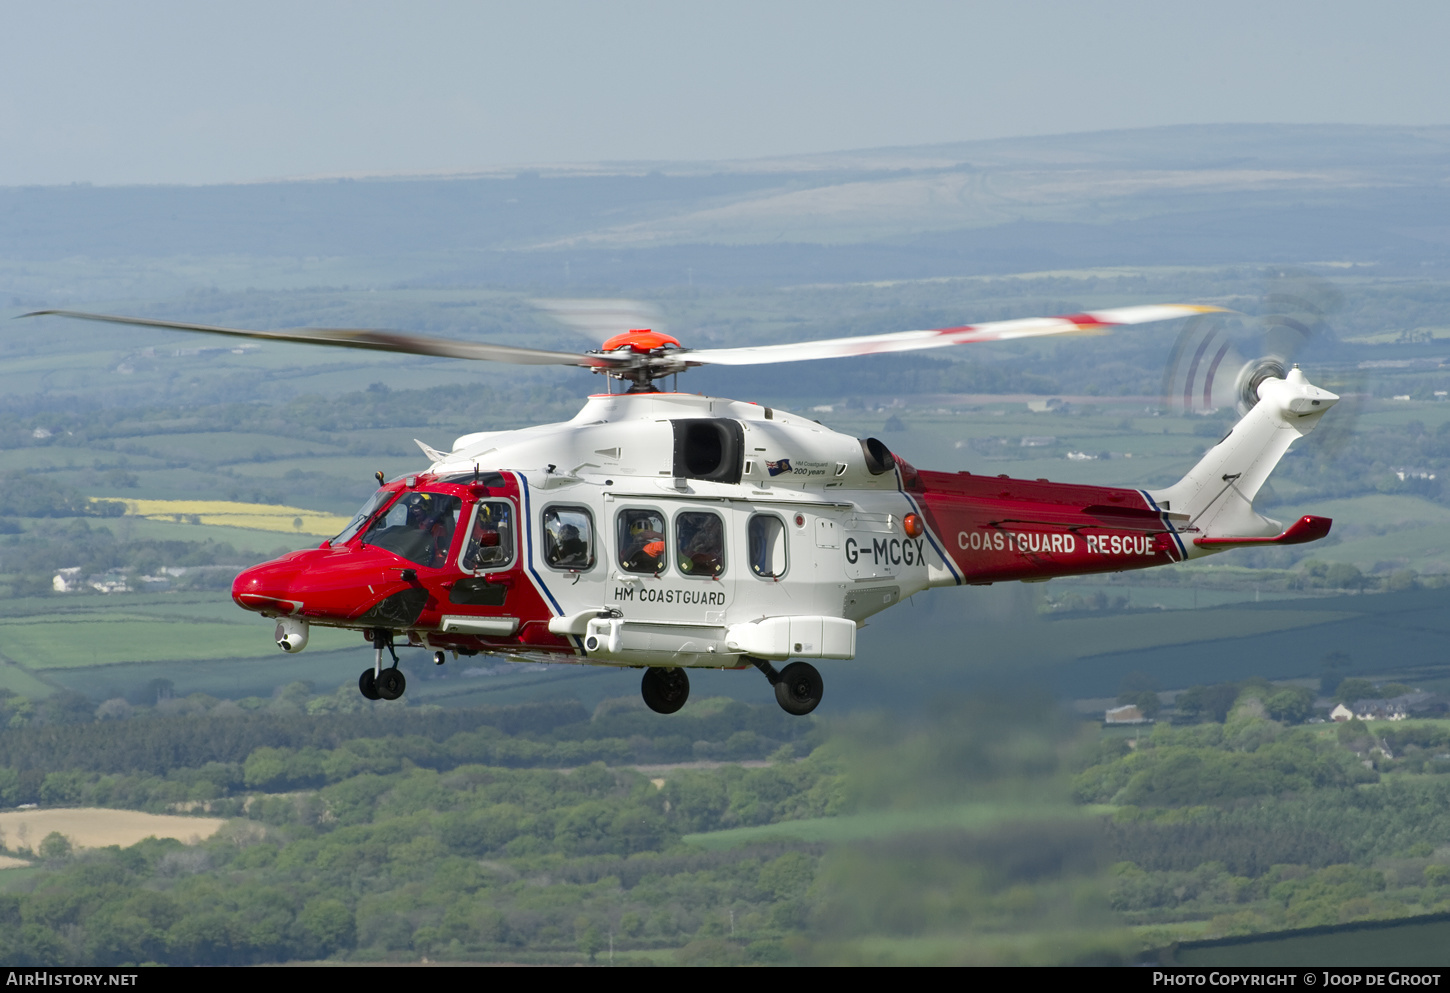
x=223 y=513
x=93 y=827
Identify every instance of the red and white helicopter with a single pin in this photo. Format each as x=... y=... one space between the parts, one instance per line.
x=670 y=531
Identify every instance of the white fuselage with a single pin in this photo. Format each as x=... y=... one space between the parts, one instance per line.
x=846 y=555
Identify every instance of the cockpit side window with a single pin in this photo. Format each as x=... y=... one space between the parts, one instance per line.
x=569 y=538
x=491 y=542
x=701 y=544
x=642 y=541
x=418 y=526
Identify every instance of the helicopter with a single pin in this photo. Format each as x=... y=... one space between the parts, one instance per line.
x=667 y=531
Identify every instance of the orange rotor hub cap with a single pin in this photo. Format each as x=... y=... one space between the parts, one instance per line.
x=641 y=340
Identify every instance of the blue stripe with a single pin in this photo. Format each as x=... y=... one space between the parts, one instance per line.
x=1182 y=552
x=951 y=566
x=528 y=513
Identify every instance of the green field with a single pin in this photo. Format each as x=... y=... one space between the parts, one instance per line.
x=22 y=682
x=263 y=544
x=1038 y=947
x=887 y=823
x=1096 y=635
x=1398 y=944
x=46 y=645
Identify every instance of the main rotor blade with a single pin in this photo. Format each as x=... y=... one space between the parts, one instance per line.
x=906 y=341
x=382 y=341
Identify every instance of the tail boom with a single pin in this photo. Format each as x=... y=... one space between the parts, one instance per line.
x=997 y=529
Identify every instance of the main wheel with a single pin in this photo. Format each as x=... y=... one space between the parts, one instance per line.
x=367 y=685
x=799 y=688
x=391 y=684
x=665 y=690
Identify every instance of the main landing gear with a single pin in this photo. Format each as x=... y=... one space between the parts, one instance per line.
x=378 y=683
x=665 y=690
x=798 y=687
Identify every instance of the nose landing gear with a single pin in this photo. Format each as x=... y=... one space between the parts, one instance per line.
x=378 y=683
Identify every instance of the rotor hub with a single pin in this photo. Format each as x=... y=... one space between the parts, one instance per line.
x=642 y=341
x=1253 y=376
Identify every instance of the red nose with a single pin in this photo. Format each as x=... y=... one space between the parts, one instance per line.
x=267 y=587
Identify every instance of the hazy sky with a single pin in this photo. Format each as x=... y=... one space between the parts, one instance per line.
x=188 y=92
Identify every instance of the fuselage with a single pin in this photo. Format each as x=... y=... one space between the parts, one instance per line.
x=668 y=529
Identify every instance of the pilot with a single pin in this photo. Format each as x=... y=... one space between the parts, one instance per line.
x=431 y=518
x=418 y=506
x=442 y=531
x=646 y=549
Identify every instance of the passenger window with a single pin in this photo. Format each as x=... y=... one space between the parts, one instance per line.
x=701 y=544
x=642 y=541
x=767 y=538
x=491 y=539
x=568 y=538
x=419 y=527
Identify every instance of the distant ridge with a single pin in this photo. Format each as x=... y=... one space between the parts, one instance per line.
x=1168 y=146
x=1183 y=195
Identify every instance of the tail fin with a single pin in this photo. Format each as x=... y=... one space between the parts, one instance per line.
x=1217 y=495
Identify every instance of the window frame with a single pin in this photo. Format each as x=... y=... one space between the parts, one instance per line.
x=545 y=537
x=619 y=550
x=468 y=537
x=678 y=552
x=785 y=545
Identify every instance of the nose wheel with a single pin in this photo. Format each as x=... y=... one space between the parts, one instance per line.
x=386 y=685
x=378 y=683
x=665 y=690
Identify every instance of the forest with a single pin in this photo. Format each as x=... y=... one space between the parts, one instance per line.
x=987 y=831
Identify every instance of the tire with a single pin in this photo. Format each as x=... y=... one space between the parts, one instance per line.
x=799 y=689
x=367 y=685
x=665 y=690
x=391 y=684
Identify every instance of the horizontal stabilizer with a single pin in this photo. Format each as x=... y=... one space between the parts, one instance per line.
x=1306 y=528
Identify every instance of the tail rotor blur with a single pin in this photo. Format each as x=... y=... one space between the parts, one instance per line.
x=1219 y=360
